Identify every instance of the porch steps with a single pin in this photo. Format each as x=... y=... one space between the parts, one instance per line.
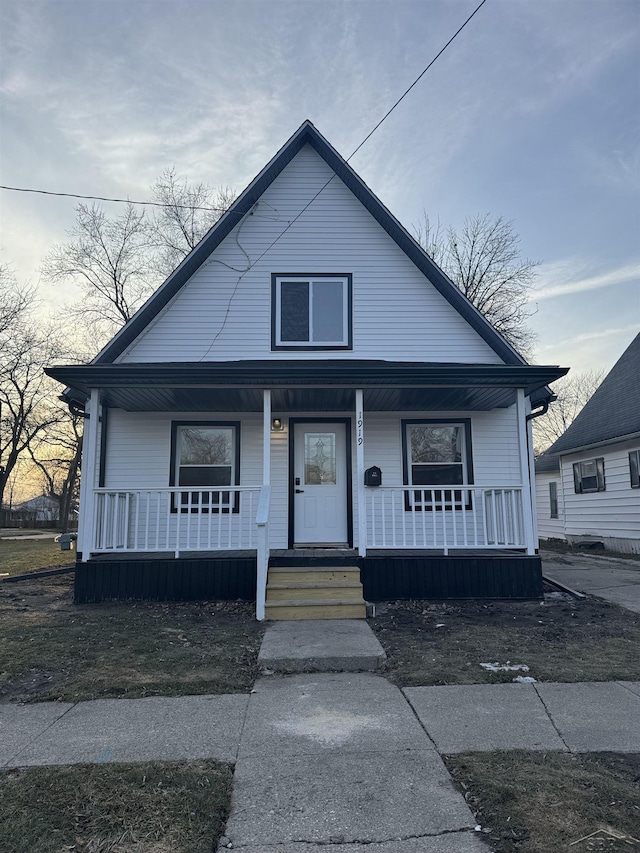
x=297 y=592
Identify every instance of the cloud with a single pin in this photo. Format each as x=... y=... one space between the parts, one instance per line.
x=558 y=279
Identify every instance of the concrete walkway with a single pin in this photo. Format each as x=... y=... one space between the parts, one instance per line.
x=613 y=578
x=324 y=758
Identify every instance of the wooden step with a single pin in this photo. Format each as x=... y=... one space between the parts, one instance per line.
x=331 y=608
x=317 y=590
x=301 y=575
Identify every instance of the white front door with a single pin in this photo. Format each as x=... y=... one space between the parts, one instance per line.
x=320 y=484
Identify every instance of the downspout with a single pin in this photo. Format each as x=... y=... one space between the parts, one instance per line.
x=543 y=409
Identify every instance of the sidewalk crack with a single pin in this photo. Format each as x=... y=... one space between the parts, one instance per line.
x=12 y=761
x=551 y=720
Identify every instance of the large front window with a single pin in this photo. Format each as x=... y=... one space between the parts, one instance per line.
x=436 y=453
x=311 y=311
x=205 y=455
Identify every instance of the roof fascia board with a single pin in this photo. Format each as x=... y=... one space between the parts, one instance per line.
x=619 y=439
x=306 y=134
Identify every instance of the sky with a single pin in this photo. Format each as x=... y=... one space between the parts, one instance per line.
x=532 y=114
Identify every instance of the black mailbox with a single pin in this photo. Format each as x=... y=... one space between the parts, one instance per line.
x=373 y=476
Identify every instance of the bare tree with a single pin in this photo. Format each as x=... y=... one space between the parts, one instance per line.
x=15 y=301
x=572 y=392
x=28 y=406
x=483 y=260
x=57 y=456
x=188 y=211
x=109 y=259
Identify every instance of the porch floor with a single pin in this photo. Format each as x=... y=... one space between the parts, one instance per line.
x=308 y=553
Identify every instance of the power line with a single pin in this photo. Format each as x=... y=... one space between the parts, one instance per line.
x=119 y=200
x=324 y=186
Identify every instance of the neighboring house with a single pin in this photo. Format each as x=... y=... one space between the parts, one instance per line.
x=306 y=351
x=549 y=498
x=595 y=465
x=40 y=508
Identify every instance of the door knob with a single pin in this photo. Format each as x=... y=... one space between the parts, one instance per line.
x=299 y=491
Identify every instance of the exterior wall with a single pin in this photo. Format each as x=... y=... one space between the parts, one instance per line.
x=396 y=312
x=549 y=528
x=139 y=447
x=612 y=516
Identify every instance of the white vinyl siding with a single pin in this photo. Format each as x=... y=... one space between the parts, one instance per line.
x=549 y=528
x=139 y=449
x=223 y=313
x=611 y=514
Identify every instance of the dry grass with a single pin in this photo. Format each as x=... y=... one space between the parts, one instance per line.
x=534 y=802
x=116 y=808
x=51 y=649
x=21 y=556
x=444 y=643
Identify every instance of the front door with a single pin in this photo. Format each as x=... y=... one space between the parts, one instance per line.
x=320 y=483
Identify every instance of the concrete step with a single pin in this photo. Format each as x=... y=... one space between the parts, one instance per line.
x=345 y=645
x=309 y=608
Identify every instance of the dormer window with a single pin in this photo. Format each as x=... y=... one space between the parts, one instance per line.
x=311 y=311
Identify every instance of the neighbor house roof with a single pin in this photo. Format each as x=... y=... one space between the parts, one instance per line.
x=306 y=135
x=548 y=463
x=614 y=410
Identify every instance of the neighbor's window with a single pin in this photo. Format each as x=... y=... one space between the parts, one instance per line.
x=634 y=468
x=588 y=476
x=553 y=500
x=436 y=453
x=311 y=311
x=203 y=455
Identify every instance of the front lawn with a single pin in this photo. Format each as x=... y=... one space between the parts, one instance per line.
x=20 y=556
x=52 y=649
x=430 y=643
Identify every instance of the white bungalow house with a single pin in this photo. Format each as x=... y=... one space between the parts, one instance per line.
x=307 y=391
x=588 y=481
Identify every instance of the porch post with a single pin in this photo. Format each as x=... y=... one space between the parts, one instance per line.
x=86 y=518
x=532 y=476
x=525 y=475
x=266 y=437
x=360 y=490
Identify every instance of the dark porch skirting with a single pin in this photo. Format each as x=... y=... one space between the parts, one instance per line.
x=166 y=579
x=384 y=576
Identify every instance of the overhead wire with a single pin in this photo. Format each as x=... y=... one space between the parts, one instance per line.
x=325 y=185
x=105 y=198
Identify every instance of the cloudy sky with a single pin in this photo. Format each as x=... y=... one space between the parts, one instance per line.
x=532 y=114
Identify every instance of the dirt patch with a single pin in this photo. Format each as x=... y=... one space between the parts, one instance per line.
x=533 y=802
x=52 y=649
x=561 y=639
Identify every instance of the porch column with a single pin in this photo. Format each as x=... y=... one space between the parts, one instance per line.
x=525 y=476
x=532 y=475
x=360 y=489
x=266 y=437
x=86 y=517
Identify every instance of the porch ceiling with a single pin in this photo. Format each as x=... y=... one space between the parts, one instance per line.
x=304 y=385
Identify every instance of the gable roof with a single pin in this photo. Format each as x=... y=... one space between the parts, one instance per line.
x=613 y=411
x=306 y=135
x=548 y=463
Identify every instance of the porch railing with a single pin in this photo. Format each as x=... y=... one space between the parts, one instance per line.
x=175 y=519
x=445 y=518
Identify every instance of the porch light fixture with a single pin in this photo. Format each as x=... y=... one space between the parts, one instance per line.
x=277 y=425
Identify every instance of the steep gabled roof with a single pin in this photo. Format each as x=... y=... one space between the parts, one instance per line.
x=306 y=135
x=613 y=411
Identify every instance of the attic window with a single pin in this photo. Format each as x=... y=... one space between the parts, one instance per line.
x=588 y=476
x=311 y=312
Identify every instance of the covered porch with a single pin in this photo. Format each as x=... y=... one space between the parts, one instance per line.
x=409 y=536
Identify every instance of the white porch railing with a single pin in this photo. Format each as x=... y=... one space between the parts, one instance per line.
x=175 y=519
x=445 y=518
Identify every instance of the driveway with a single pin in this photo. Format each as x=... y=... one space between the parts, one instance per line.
x=615 y=579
